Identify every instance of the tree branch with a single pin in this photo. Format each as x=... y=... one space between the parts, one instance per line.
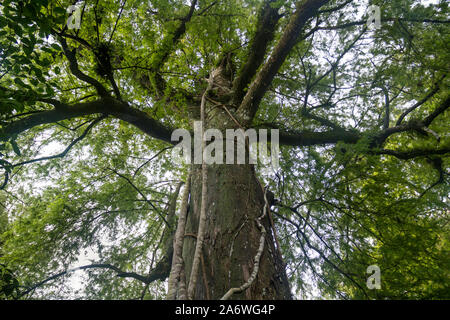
x=73 y=65
x=64 y=153
x=414 y=153
x=143 y=196
x=117 y=21
x=413 y=125
x=441 y=109
x=321 y=120
x=419 y=103
x=165 y=51
x=7 y=171
x=386 y=108
x=154 y=79
x=202 y=220
x=336 y=8
x=308 y=259
x=259 y=252
x=177 y=259
x=325 y=258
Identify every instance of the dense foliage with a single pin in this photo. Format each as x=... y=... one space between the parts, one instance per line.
x=366 y=182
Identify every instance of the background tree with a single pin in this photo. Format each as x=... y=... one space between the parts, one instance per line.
x=85 y=131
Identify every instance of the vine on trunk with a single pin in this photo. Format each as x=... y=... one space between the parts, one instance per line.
x=177 y=260
x=202 y=222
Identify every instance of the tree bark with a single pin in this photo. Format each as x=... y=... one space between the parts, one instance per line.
x=234 y=202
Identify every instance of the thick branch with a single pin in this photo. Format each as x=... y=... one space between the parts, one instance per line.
x=73 y=65
x=414 y=153
x=143 y=196
x=154 y=81
x=6 y=176
x=173 y=38
x=441 y=109
x=305 y=10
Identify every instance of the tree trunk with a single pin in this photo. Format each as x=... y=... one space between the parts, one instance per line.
x=235 y=200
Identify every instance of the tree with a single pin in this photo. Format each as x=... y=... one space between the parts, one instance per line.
x=363 y=128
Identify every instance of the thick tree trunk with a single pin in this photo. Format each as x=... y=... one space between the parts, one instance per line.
x=235 y=200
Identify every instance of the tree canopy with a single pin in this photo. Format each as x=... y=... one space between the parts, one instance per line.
x=86 y=115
